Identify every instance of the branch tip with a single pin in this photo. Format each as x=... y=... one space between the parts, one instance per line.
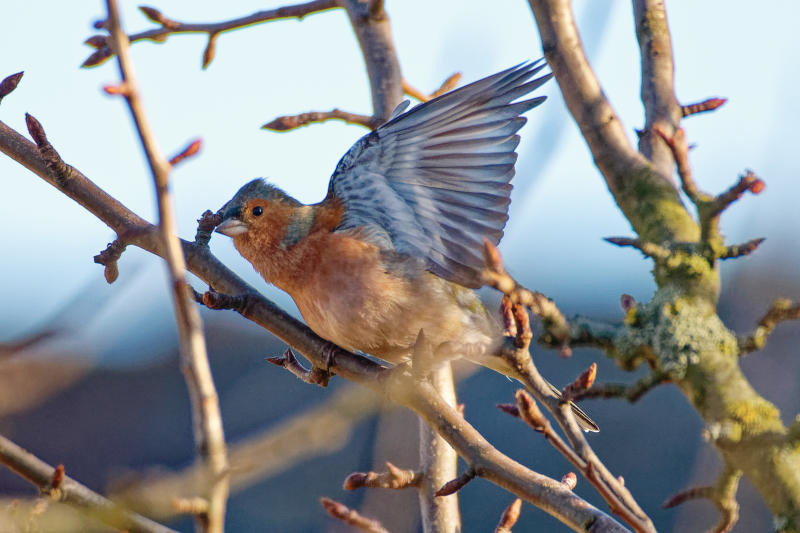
x=509 y=517
x=454 y=485
x=570 y=480
x=191 y=150
x=581 y=384
x=351 y=517
x=709 y=104
x=9 y=83
x=529 y=412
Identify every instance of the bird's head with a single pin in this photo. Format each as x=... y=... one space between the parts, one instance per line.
x=259 y=211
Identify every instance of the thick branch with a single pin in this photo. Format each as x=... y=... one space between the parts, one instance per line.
x=645 y=195
x=71 y=492
x=371 y=25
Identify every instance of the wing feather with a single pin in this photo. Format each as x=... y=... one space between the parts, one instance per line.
x=436 y=179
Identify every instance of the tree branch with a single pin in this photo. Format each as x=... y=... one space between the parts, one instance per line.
x=290 y=122
x=780 y=310
x=373 y=31
x=645 y=195
x=206 y=417
x=71 y=492
x=171 y=27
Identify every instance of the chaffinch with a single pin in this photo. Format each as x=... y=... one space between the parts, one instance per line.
x=396 y=245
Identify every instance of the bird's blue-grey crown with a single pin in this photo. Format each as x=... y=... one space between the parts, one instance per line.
x=257 y=188
x=435 y=180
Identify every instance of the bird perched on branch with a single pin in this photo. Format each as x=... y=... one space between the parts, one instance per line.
x=396 y=245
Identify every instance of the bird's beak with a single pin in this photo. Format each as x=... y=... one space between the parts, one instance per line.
x=232 y=227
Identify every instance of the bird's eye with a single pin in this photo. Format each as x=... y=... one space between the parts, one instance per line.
x=257 y=211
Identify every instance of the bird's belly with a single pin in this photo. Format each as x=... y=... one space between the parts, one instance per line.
x=381 y=313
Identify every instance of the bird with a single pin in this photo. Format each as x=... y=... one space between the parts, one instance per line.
x=396 y=245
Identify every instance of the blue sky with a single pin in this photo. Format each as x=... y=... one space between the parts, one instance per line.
x=560 y=211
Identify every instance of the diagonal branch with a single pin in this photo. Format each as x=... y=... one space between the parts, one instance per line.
x=206 y=417
x=63 y=488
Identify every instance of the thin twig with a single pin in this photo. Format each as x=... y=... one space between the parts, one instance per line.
x=780 y=310
x=290 y=122
x=648 y=249
x=722 y=495
x=67 y=490
x=447 y=85
x=734 y=251
x=103 y=50
x=709 y=104
x=351 y=517
x=578 y=450
x=632 y=393
x=314 y=376
x=677 y=144
x=206 y=417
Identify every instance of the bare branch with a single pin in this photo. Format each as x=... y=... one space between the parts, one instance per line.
x=722 y=495
x=315 y=376
x=632 y=393
x=373 y=31
x=206 y=417
x=734 y=251
x=780 y=310
x=748 y=182
x=662 y=110
x=677 y=144
x=648 y=249
x=290 y=122
x=205 y=227
x=448 y=85
x=53 y=482
x=709 y=104
x=190 y=151
x=626 y=172
x=351 y=517
x=172 y=27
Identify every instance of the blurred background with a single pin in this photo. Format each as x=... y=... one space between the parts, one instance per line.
x=103 y=394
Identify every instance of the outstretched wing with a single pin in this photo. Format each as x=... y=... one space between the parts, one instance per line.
x=435 y=179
